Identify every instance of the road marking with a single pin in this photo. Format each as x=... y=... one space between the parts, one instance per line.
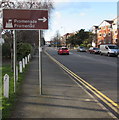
x=100 y=95
x=103 y=107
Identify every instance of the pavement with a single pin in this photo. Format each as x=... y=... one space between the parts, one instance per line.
x=61 y=96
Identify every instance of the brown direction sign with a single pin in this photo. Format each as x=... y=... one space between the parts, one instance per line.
x=25 y=19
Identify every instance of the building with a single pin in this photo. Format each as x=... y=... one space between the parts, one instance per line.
x=115 y=31
x=106 y=33
x=94 y=31
x=64 y=38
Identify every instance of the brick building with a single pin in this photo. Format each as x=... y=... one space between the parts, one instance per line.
x=64 y=39
x=115 y=31
x=106 y=33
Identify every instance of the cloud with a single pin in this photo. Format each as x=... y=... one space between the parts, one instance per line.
x=82 y=14
x=56 y=21
x=57 y=18
x=72 y=7
x=57 y=14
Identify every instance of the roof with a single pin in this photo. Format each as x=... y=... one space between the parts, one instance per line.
x=109 y=21
x=95 y=26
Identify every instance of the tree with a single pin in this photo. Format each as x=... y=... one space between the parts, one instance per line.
x=81 y=36
x=78 y=38
x=56 y=39
x=28 y=36
x=23 y=50
x=8 y=38
x=88 y=42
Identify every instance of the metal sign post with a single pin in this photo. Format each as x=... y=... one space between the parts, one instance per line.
x=14 y=45
x=40 y=64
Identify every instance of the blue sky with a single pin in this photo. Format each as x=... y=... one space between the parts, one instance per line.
x=69 y=17
x=72 y=15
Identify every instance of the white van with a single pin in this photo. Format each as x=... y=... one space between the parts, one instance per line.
x=109 y=50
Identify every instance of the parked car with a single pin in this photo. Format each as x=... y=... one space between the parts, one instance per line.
x=94 y=50
x=81 y=49
x=63 y=50
x=109 y=49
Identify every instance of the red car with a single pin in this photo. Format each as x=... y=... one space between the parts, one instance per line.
x=94 y=50
x=63 y=50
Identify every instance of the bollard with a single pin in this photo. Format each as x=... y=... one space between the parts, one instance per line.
x=20 y=67
x=26 y=60
x=6 y=86
x=29 y=56
x=23 y=60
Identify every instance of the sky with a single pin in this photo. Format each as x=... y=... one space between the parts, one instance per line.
x=70 y=16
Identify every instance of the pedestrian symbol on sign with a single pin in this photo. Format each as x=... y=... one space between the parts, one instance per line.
x=9 y=24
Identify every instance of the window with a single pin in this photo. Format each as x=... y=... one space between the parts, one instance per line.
x=104 y=35
x=113 y=47
x=110 y=26
x=109 y=41
x=96 y=48
x=64 y=49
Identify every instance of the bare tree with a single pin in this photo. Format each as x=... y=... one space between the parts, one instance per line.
x=27 y=4
x=56 y=39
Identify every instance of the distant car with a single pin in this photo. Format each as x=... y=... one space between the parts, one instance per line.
x=81 y=49
x=49 y=45
x=63 y=50
x=94 y=50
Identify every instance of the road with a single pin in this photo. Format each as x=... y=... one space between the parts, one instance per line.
x=99 y=71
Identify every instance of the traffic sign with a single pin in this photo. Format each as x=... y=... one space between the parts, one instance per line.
x=25 y=19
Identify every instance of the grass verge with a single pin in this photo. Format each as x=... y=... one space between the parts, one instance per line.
x=8 y=103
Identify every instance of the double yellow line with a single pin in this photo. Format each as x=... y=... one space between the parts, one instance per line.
x=100 y=95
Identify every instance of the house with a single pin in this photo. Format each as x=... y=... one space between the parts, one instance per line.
x=64 y=38
x=104 y=33
x=115 y=31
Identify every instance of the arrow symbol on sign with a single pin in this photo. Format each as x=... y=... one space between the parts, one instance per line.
x=42 y=19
